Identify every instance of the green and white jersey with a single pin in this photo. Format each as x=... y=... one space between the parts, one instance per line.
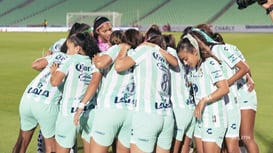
x=204 y=82
x=78 y=70
x=242 y=83
x=117 y=89
x=56 y=47
x=40 y=87
x=229 y=59
x=152 y=79
x=180 y=90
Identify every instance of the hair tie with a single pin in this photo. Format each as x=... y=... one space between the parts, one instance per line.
x=89 y=30
x=99 y=20
x=207 y=37
x=194 y=42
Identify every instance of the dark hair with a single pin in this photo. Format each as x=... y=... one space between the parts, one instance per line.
x=218 y=37
x=159 y=40
x=117 y=37
x=186 y=31
x=99 y=20
x=153 y=30
x=207 y=29
x=204 y=50
x=133 y=37
x=170 y=41
x=86 y=41
x=76 y=28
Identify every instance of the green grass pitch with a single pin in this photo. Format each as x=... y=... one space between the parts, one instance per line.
x=18 y=50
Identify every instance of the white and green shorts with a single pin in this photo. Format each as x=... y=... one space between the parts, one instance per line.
x=111 y=123
x=183 y=120
x=150 y=130
x=34 y=112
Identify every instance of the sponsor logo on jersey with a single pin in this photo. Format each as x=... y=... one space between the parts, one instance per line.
x=82 y=67
x=37 y=91
x=209 y=131
x=233 y=126
x=162 y=105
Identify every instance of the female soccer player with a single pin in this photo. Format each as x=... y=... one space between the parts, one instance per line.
x=77 y=71
x=152 y=122
x=60 y=46
x=116 y=37
x=39 y=105
x=210 y=86
x=246 y=96
x=234 y=69
x=116 y=98
x=102 y=30
x=182 y=104
x=154 y=29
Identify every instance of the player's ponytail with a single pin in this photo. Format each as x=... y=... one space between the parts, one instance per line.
x=86 y=42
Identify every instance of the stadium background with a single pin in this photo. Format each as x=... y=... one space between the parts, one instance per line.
x=19 y=49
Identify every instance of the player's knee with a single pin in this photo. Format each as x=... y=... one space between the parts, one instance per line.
x=233 y=149
x=246 y=139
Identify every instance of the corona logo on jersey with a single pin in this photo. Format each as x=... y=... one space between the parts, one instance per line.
x=82 y=67
x=84 y=76
x=158 y=57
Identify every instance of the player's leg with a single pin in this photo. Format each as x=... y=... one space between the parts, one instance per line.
x=186 y=145
x=197 y=138
x=209 y=147
x=23 y=141
x=60 y=149
x=86 y=146
x=97 y=148
x=199 y=144
x=232 y=145
x=161 y=150
x=50 y=145
x=135 y=149
x=120 y=148
x=176 y=146
x=247 y=130
x=187 y=141
x=28 y=124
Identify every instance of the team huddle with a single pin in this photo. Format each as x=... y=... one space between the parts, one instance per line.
x=138 y=92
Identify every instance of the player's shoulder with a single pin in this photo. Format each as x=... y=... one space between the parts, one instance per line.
x=211 y=61
x=56 y=47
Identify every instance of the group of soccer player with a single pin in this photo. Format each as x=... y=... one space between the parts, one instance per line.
x=138 y=92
